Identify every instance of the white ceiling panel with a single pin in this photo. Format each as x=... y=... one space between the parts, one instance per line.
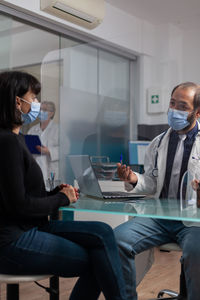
x=182 y=13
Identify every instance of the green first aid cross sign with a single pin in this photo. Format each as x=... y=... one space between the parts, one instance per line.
x=154 y=99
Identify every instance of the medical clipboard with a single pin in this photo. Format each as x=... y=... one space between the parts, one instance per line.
x=32 y=141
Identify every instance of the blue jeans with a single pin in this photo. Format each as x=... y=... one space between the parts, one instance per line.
x=140 y=234
x=69 y=249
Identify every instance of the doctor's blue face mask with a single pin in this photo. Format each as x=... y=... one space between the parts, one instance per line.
x=32 y=115
x=178 y=119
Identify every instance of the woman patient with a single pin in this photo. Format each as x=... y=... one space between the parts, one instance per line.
x=30 y=243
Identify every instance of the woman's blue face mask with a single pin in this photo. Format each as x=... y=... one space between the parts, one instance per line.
x=178 y=119
x=32 y=115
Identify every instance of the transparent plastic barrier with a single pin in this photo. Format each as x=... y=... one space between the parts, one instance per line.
x=90 y=88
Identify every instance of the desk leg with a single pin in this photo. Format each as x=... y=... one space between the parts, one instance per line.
x=12 y=292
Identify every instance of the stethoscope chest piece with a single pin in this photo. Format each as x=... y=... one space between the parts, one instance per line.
x=155 y=172
x=155 y=169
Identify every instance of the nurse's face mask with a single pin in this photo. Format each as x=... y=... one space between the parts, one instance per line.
x=32 y=115
x=43 y=115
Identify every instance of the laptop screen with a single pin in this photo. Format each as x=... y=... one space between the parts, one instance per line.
x=85 y=176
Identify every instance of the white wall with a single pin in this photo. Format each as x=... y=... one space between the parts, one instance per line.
x=191 y=56
x=167 y=54
x=113 y=28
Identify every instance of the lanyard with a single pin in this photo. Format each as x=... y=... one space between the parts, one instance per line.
x=155 y=169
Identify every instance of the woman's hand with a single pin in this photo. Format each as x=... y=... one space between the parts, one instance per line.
x=70 y=191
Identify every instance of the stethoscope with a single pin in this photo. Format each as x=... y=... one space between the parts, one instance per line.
x=155 y=169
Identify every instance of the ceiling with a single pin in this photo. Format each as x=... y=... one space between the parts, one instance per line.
x=182 y=13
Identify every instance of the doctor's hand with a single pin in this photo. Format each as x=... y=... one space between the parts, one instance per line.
x=195 y=184
x=126 y=174
x=70 y=192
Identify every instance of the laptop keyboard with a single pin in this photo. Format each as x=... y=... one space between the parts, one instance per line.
x=121 y=195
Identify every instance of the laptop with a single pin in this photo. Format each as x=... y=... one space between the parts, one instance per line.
x=88 y=182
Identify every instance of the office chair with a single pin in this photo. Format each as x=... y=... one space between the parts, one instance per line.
x=182 y=295
x=12 y=281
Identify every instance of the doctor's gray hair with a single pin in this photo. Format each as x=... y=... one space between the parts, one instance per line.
x=197 y=99
x=195 y=87
x=186 y=85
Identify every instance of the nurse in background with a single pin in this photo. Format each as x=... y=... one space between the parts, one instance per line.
x=48 y=132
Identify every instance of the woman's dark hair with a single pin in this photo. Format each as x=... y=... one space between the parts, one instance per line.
x=12 y=84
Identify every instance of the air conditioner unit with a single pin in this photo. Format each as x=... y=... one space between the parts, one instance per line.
x=86 y=13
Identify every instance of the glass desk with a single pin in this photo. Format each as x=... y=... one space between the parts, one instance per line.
x=146 y=207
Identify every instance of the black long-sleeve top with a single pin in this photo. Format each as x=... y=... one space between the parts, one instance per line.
x=24 y=203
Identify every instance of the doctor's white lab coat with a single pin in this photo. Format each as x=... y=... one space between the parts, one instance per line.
x=147 y=183
x=49 y=138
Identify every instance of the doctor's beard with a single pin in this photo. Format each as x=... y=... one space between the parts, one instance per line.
x=191 y=120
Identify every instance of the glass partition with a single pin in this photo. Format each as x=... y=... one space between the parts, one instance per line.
x=23 y=48
x=5 y=41
x=85 y=95
x=94 y=104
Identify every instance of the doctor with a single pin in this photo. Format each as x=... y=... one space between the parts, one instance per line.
x=167 y=158
x=48 y=132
